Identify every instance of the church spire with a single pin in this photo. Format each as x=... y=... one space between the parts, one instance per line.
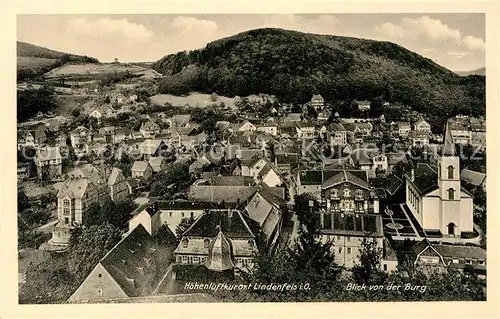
x=449 y=145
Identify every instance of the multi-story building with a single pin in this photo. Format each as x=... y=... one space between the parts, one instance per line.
x=422 y=126
x=149 y=129
x=338 y=134
x=73 y=199
x=317 y=102
x=419 y=138
x=460 y=130
x=349 y=214
x=221 y=233
x=119 y=188
x=48 y=161
x=305 y=130
x=80 y=139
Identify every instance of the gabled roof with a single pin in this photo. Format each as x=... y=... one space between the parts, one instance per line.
x=138 y=261
x=425 y=247
x=140 y=166
x=343 y=177
x=472 y=177
x=74 y=188
x=155 y=162
x=89 y=171
x=115 y=172
x=231 y=222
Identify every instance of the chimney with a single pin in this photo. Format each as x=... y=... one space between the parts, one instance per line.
x=412 y=174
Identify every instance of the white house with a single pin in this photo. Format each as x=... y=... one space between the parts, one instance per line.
x=422 y=126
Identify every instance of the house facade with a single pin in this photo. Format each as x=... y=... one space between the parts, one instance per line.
x=197 y=242
x=349 y=215
x=48 y=163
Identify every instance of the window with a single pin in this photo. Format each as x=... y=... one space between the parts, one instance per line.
x=359 y=193
x=338 y=237
x=349 y=250
x=184 y=259
x=99 y=291
x=468 y=261
x=455 y=261
x=170 y=214
x=450 y=172
x=334 y=193
x=182 y=215
x=385 y=267
x=192 y=215
x=340 y=250
x=347 y=192
x=250 y=242
x=100 y=275
x=451 y=194
x=348 y=238
x=206 y=243
x=185 y=243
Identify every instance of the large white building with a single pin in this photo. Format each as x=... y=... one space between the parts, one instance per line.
x=437 y=200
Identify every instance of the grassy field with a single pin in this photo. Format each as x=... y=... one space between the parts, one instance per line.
x=193 y=99
x=94 y=69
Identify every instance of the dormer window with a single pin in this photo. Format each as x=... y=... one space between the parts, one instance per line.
x=347 y=192
x=334 y=193
x=185 y=242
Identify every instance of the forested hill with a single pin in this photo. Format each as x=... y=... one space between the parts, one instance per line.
x=33 y=60
x=294 y=65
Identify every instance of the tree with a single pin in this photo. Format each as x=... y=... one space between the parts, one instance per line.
x=89 y=247
x=75 y=112
x=306 y=207
x=376 y=107
x=367 y=271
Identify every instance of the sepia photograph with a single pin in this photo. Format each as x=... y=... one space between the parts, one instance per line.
x=236 y=158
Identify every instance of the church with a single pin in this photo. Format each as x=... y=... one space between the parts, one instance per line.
x=436 y=199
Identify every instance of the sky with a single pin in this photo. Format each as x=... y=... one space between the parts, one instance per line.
x=453 y=40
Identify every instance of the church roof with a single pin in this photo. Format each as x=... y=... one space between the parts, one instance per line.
x=449 y=145
x=219 y=255
x=425 y=179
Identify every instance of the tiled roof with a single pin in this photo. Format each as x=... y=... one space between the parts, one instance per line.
x=140 y=166
x=472 y=177
x=342 y=177
x=155 y=163
x=355 y=225
x=74 y=188
x=115 y=172
x=139 y=261
x=89 y=171
x=230 y=222
x=48 y=153
x=425 y=179
x=460 y=251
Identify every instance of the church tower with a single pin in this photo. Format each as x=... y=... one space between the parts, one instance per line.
x=449 y=187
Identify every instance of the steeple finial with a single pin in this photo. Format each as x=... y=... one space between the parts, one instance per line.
x=449 y=145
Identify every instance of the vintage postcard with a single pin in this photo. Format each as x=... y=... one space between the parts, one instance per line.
x=295 y=157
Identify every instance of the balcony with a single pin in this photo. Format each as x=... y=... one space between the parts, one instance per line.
x=359 y=197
